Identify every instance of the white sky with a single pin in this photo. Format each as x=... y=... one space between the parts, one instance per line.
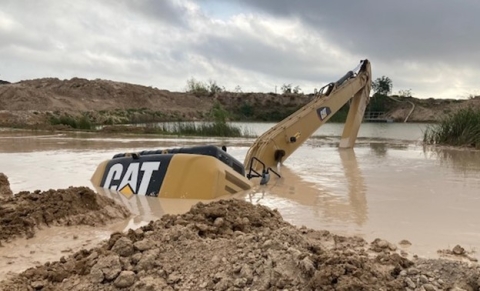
x=431 y=46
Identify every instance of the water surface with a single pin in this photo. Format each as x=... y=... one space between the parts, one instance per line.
x=389 y=186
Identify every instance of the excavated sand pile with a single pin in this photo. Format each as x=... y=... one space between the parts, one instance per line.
x=234 y=245
x=25 y=212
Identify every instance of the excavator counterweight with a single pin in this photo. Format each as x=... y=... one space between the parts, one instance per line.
x=208 y=172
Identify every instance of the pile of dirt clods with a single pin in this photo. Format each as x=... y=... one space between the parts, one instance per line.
x=235 y=245
x=25 y=212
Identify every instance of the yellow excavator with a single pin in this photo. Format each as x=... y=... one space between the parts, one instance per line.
x=209 y=172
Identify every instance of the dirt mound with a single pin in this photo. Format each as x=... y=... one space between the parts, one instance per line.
x=5 y=190
x=36 y=102
x=23 y=213
x=77 y=94
x=46 y=102
x=234 y=245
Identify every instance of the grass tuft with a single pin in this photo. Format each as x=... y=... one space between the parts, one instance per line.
x=217 y=129
x=461 y=128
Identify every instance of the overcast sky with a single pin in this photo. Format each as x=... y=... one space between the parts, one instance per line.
x=429 y=46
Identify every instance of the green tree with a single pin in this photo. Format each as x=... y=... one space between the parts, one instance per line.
x=382 y=86
x=286 y=88
x=297 y=90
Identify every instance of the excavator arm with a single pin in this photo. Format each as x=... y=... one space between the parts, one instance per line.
x=279 y=142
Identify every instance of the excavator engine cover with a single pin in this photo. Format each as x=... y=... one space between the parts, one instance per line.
x=202 y=172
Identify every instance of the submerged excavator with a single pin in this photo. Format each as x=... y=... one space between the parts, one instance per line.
x=209 y=172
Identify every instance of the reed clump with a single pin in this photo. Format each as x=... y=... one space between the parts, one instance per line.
x=461 y=128
x=218 y=127
x=214 y=129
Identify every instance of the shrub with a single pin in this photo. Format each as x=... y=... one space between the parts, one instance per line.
x=461 y=128
x=196 y=87
x=64 y=120
x=82 y=123
x=203 y=89
x=246 y=110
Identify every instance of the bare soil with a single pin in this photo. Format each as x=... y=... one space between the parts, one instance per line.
x=24 y=213
x=235 y=245
x=5 y=191
x=32 y=103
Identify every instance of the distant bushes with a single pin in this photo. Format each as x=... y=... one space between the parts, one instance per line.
x=461 y=128
x=199 y=88
x=82 y=122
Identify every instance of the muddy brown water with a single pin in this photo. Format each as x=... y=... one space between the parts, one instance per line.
x=389 y=186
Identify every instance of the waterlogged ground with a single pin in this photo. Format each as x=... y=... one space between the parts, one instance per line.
x=390 y=186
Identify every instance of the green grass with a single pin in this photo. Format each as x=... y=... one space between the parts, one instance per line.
x=461 y=128
x=217 y=129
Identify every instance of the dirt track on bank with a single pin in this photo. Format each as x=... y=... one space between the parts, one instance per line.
x=223 y=245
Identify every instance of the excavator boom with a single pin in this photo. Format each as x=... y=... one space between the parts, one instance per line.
x=280 y=141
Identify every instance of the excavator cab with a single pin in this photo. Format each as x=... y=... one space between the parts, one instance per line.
x=209 y=172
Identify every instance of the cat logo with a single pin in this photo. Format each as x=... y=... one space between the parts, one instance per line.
x=136 y=179
x=323 y=112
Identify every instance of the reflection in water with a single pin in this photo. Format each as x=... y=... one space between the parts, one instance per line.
x=380 y=149
x=356 y=186
x=318 y=200
x=462 y=160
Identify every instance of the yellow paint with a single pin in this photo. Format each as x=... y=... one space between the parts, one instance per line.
x=200 y=177
x=98 y=174
x=306 y=120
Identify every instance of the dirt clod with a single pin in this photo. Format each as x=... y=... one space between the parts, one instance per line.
x=5 y=190
x=458 y=250
x=252 y=248
x=25 y=212
x=125 y=279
